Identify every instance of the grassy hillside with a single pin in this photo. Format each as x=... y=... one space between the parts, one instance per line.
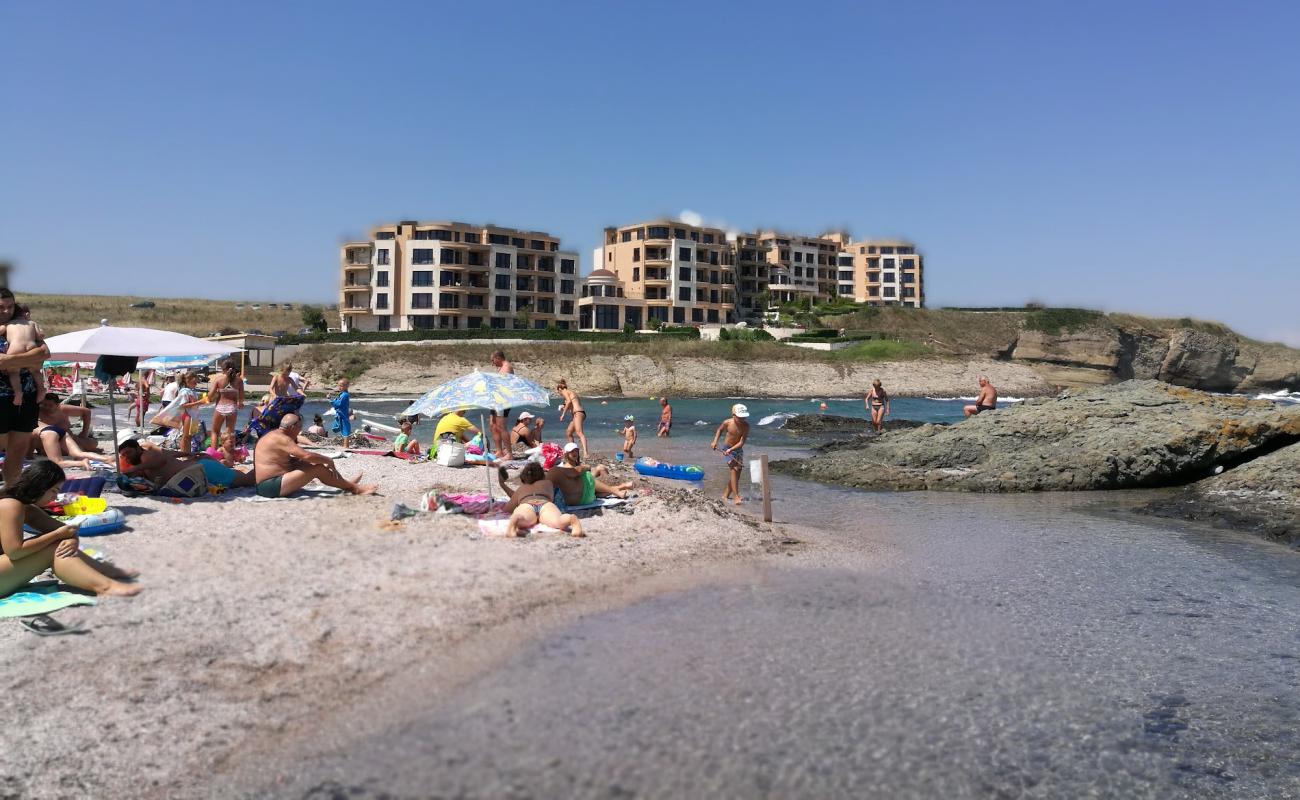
x=60 y=313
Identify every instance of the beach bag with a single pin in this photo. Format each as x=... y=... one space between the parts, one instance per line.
x=451 y=454
x=551 y=454
x=190 y=482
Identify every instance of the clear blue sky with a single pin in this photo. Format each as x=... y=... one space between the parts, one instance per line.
x=1140 y=156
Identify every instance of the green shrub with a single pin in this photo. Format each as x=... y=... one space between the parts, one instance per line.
x=1053 y=321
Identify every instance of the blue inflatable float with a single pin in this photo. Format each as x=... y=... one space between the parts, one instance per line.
x=658 y=469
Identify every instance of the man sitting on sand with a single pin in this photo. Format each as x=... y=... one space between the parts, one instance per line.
x=987 y=400
x=577 y=483
x=455 y=426
x=160 y=466
x=282 y=467
x=733 y=451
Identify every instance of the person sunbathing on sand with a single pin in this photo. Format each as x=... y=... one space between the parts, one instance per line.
x=55 y=546
x=534 y=502
x=579 y=484
x=160 y=466
x=282 y=467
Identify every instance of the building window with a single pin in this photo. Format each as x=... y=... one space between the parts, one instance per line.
x=906 y=277
x=446 y=278
x=503 y=261
x=566 y=307
x=422 y=300
x=708 y=238
x=636 y=274
x=385 y=323
x=449 y=256
x=657 y=232
x=607 y=318
x=448 y=300
x=546 y=285
x=497 y=238
x=516 y=242
x=472 y=238
x=381 y=279
x=422 y=277
x=545 y=305
x=384 y=235
x=873 y=291
x=888 y=251
x=625 y=236
x=713 y=315
x=499 y=322
x=889 y=277
x=502 y=304
x=422 y=322
x=546 y=263
x=889 y=291
x=873 y=277
x=381 y=257
x=503 y=283
x=443 y=236
x=537 y=244
x=566 y=287
x=871 y=249
x=697 y=315
x=523 y=284
x=636 y=254
x=846 y=276
x=683 y=273
x=523 y=262
x=798 y=256
x=684 y=294
x=381 y=300
x=566 y=266
x=422 y=256
x=683 y=254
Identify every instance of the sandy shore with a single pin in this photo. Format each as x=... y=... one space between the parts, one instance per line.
x=259 y=617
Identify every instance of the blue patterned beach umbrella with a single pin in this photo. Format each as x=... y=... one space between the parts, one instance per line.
x=480 y=390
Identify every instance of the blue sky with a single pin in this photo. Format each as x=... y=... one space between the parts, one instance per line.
x=1138 y=156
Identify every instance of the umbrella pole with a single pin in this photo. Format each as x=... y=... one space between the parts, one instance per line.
x=112 y=414
x=487 y=448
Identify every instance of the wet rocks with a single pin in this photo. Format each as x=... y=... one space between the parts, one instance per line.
x=1129 y=435
x=1262 y=495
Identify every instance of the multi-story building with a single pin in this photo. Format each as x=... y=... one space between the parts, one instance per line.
x=452 y=275
x=800 y=267
x=883 y=272
x=684 y=273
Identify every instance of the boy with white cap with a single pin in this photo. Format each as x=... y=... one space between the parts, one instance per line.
x=737 y=430
x=629 y=437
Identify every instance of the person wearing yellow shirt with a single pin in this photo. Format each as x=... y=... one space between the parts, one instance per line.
x=456 y=426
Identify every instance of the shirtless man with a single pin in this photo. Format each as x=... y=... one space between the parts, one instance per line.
x=282 y=467
x=160 y=466
x=987 y=400
x=574 y=406
x=578 y=483
x=527 y=430
x=497 y=422
x=665 y=417
x=737 y=431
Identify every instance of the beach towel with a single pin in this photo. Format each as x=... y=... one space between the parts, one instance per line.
x=41 y=598
x=475 y=504
x=496 y=526
x=603 y=502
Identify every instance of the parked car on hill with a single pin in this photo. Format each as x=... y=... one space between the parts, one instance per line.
x=144 y=304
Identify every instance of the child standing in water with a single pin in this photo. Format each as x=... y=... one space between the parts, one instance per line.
x=20 y=335
x=342 y=405
x=629 y=437
x=733 y=452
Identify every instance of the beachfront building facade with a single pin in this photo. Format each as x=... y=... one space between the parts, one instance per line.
x=801 y=268
x=453 y=275
x=882 y=272
x=684 y=274
x=605 y=306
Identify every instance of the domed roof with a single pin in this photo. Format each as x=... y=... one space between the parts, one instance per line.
x=602 y=273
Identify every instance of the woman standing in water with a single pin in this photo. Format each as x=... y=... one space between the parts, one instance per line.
x=877 y=402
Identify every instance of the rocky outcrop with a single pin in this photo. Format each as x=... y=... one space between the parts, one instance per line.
x=644 y=376
x=832 y=423
x=1205 y=357
x=1131 y=435
x=1262 y=496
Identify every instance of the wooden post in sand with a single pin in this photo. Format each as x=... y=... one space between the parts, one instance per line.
x=767 y=489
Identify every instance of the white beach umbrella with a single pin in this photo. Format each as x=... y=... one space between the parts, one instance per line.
x=105 y=340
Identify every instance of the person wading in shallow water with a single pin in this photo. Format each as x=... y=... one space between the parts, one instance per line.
x=733 y=452
x=573 y=405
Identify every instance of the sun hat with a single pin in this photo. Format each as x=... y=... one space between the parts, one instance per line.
x=629 y=418
x=739 y=410
x=570 y=447
x=525 y=415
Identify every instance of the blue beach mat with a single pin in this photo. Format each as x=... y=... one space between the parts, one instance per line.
x=40 y=598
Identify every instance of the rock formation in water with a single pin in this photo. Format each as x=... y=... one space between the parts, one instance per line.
x=1131 y=435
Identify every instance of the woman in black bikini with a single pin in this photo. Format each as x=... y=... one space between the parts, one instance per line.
x=574 y=405
x=877 y=402
x=534 y=502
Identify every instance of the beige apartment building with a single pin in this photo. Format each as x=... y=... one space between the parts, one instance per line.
x=452 y=275
x=882 y=272
x=682 y=274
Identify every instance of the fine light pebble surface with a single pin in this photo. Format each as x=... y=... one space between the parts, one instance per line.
x=259 y=618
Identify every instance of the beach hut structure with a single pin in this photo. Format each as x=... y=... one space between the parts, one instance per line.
x=256 y=355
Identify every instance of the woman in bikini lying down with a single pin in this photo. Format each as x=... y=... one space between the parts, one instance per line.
x=534 y=502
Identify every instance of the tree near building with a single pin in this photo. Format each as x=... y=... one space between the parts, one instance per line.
x=314 y=318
